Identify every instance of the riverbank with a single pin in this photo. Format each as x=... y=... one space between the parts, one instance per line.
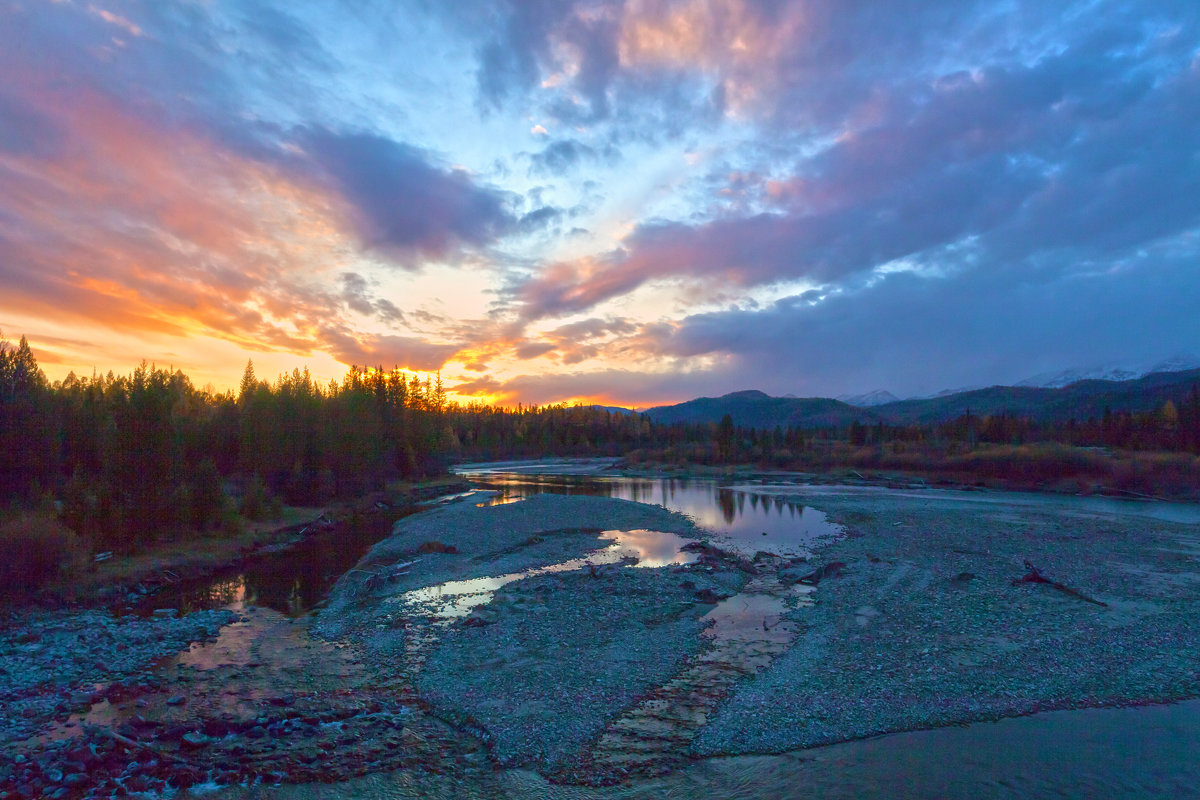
x=479 y=650
x=933 y=478
x=128 y=580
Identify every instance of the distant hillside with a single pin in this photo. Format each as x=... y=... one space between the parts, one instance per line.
x=877 y=397
x=612 y=409
x=1080 y=400
x=754 y=409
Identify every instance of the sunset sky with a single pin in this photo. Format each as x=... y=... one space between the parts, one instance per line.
x=632 y=202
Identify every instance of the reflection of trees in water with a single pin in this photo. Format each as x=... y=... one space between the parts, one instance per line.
x=725 y=500
x=295 y=602
x=214 y=595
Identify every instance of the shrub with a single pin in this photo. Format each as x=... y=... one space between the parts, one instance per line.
x=254 y=500
x=36 y=549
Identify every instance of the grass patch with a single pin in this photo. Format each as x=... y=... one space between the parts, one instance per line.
x=36 y=550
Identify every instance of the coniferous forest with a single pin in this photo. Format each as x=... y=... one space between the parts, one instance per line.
x=120 y=459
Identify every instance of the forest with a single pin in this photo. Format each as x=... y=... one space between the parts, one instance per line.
x=118 y=460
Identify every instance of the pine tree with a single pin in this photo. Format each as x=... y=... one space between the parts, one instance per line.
x=249 y=384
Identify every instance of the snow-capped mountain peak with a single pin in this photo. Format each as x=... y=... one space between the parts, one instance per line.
x=876 y=397
x=1058 y=379
x=1109 y=372
x=1176 y=363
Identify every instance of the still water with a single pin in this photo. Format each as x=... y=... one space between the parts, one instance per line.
x=638 y=548
x=745 y=519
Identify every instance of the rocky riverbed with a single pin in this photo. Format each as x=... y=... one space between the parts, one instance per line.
x=593 y=641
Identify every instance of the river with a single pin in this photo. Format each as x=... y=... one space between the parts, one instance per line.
x=1147 y=751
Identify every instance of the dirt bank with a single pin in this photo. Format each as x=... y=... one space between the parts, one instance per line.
x=126 y=580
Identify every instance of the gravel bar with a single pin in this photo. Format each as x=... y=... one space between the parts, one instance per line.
x=930 y=624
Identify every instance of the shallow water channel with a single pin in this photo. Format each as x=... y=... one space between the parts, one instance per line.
x=742 y=517
x=1144 y=752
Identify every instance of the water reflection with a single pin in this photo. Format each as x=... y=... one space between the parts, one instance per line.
x=289 y=581
x=774 y=523
x=637 y=548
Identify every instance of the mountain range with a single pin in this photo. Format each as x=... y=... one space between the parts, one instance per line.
x=1111 y=372
x=1079 y=400
x=1053 y=379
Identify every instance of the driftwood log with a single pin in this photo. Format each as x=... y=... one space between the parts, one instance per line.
x=1035 y=576
x=100 y=730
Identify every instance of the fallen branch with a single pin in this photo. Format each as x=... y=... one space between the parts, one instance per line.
x=1130 y=493
x=125 y=740
x=1035 y=576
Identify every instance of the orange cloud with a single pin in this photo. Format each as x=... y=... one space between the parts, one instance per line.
x=137 y=225
x=732 y=40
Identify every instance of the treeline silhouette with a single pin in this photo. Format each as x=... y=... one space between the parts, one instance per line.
x=121 y=459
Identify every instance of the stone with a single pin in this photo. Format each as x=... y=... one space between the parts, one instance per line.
x=710 y=595
x=194 y=740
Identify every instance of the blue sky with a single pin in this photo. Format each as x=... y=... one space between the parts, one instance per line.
x=633 y=202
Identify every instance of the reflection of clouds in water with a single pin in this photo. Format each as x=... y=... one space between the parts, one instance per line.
x=791 y=528
x=649 y=548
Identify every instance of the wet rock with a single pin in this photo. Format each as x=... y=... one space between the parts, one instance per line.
x=193 y=740
x=176 y=700
x=713 y=595
x=795 y=574
x=481 y=616
x=831 y=570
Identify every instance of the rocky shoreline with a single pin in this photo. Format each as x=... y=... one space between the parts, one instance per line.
x=601 y=672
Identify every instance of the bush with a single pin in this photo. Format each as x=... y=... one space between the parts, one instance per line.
x=254 y=500
x=36 y=549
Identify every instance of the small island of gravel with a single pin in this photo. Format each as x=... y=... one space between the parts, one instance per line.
x=928 y=623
